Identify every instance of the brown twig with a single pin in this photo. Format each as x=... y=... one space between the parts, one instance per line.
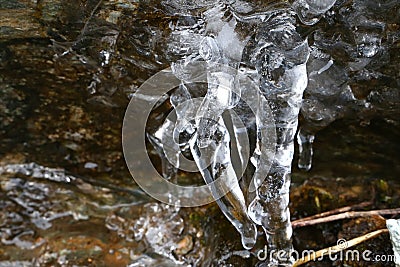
x=344 y=215
x=336 y=211
x=338 y=247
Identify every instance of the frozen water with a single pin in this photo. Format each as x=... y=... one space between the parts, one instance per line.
x=234 y=199
x=279 y=55
x=313 y=76
x=37 y=171
x=305 y=142
x=278 y=59
x=335 y=64
x=325 y=83
x=274 y=55
x=310 y=11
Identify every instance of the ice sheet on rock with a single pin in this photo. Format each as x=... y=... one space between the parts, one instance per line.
x=33 y=200
x=37 y=171
x=325 y=80
x=337 y=64
x=15 y=264
x=29 y=206
x=148 y=261
x=368 y=34
x=185 y=7
x=326 y=98
x=160 y=226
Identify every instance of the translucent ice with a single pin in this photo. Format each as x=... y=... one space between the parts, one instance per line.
x=275 y=56
x=232 y=204
x=338 y=66
x=310 y=11
x=209 y=137
x=279 y=55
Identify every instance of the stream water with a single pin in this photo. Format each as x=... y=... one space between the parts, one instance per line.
x=324 y=73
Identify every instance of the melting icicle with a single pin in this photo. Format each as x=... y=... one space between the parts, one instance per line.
x=305 y=142
x=327 y=98
x=279 y=55
x=233 y=203
x=211 y=139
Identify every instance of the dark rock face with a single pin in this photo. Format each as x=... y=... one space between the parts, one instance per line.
x=67 y=70
x=62 y=96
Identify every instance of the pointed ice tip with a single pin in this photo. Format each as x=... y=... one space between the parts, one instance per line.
x=248 y=243
x=304 y=167
x=249 y=238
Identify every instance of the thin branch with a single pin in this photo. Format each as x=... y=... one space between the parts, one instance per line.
x=345 y=215
x=336 y=211
x=68 y=46
x=83 y=31
x=338 y=247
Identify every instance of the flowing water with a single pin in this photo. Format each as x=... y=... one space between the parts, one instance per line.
x=326 y=70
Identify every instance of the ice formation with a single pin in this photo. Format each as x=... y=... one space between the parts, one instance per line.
x=264 y=43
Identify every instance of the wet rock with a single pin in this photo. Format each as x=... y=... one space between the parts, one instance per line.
x=60 y=219
x=20 y=23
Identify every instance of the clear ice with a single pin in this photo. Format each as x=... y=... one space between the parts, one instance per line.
x=310 y=11
x=263 y=43
x=335 y=63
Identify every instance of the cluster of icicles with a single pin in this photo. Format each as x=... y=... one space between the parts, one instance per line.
x=266 y=47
